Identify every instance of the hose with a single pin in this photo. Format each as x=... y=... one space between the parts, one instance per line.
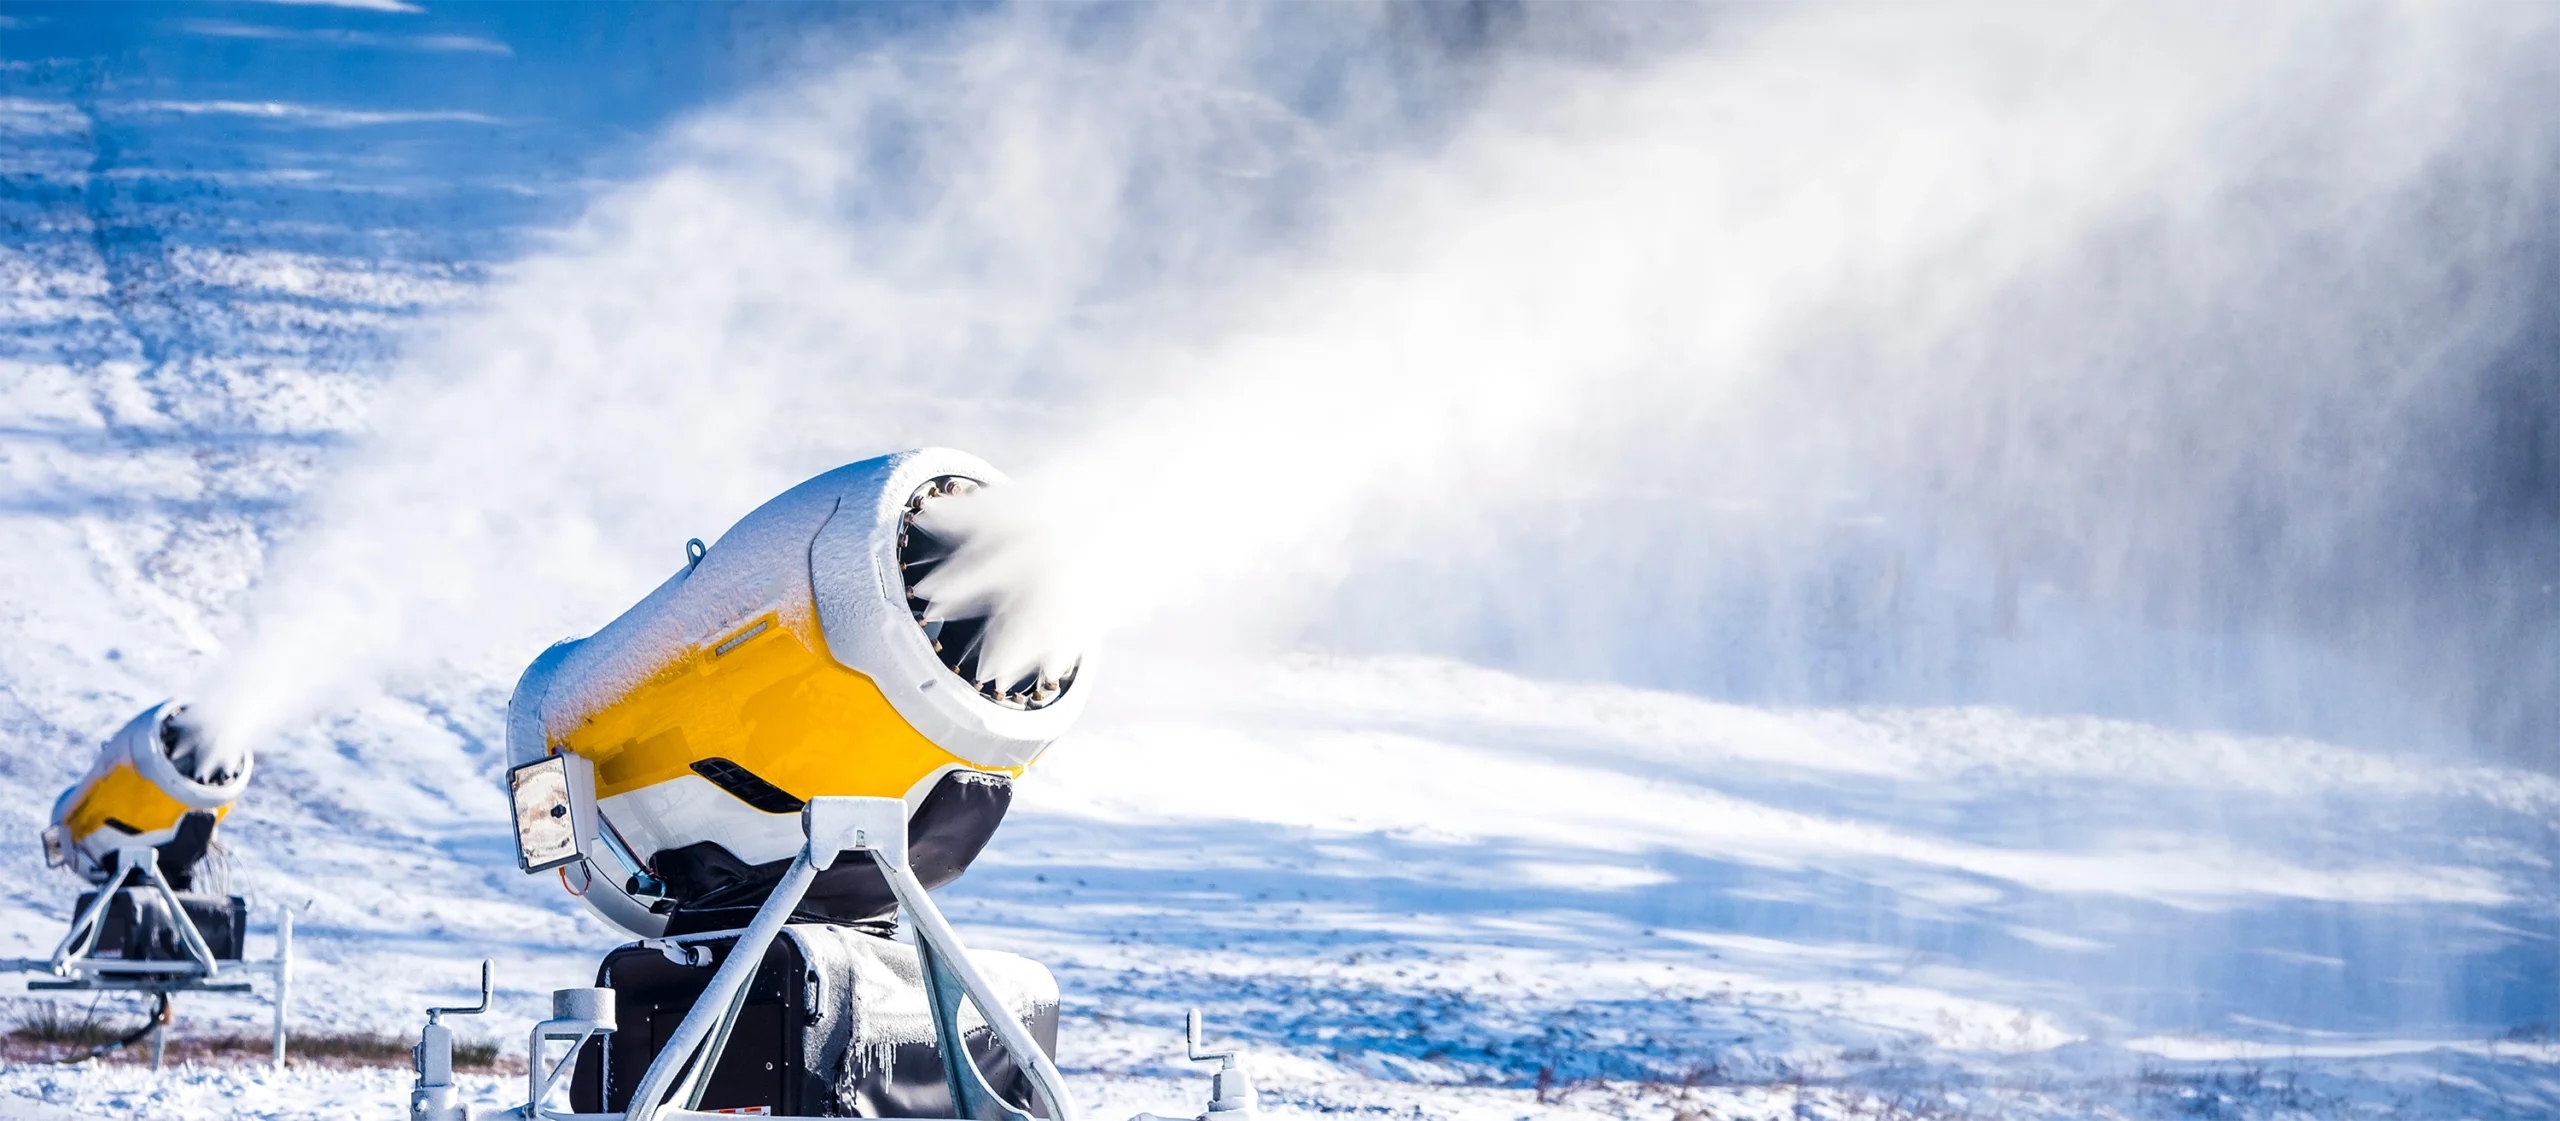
x=159 y=1018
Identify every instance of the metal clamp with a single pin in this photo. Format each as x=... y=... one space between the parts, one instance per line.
x=691 y=954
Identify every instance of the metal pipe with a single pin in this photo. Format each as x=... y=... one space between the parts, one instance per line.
x=621 y=849
x=159 y=1032
x=83 y=965
x=83 y=935
x=700 y=1079
x=284 y=976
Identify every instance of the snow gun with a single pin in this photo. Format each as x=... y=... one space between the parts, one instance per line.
x=159 y=783
x=139 y=829
x=757 y=770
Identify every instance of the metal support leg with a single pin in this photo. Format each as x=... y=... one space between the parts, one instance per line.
x=971 y=1096
x=704 y=1027
x=948 y=961
x=83 y=936
x=284 y=977
x=879 y=827
x=698 y=1079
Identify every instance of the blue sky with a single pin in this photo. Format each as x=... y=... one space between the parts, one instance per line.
x=459 y=123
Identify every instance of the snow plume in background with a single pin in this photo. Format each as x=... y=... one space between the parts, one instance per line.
x=906 y=243
x=1639 y=342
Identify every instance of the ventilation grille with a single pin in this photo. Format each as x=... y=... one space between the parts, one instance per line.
x=743 y=785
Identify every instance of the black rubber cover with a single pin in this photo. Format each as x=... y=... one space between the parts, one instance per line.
x=137 y=925
x=180 y=854
x=714 y=890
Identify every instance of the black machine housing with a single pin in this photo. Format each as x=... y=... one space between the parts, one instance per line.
x=138 y=926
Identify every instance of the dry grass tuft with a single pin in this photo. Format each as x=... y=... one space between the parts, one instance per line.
x=51 y=1022
x=65 y=1031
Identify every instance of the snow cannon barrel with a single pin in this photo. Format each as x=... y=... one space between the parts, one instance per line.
x=661 y=763
x=162 y=782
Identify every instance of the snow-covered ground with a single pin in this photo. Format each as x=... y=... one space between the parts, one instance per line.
x=1412 y=886
x=1408 y=883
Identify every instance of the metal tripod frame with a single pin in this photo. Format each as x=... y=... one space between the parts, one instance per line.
x=74 y=969
x=672 y=1088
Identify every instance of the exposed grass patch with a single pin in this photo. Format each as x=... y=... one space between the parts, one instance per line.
x=355 y=1049
x=66 y=1030
x=349 y=1049
x=62 y=1023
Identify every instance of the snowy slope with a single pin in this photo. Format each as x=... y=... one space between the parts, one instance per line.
x=1421 y=871
x=1439 y=886
x=170 y=387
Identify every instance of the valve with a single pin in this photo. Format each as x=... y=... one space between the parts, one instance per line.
x=432 y=1098
x=1231 y=1095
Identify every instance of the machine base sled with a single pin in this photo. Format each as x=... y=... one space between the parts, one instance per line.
x=873 y=1016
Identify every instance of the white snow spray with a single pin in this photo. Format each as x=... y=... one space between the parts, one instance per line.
x=1831 y=354
x=1009 y=566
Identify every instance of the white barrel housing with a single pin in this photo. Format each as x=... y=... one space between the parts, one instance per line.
x=791 y=660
